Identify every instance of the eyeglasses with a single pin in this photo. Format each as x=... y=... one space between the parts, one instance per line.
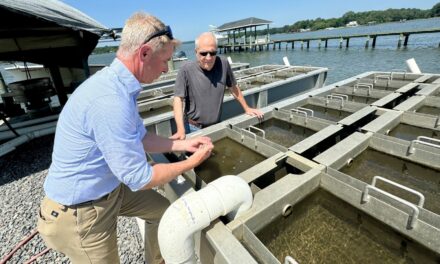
x=166 y=31
x=205 y=53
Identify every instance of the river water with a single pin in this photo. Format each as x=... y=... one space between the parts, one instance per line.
x=343 y=62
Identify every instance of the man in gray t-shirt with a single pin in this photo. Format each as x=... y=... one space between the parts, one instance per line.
x=200 y=87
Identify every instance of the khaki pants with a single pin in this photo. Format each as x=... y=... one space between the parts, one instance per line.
x=87 y=233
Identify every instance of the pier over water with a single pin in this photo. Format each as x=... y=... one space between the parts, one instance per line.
x=341 y=36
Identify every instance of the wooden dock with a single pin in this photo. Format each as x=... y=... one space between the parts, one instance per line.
x=323 y=41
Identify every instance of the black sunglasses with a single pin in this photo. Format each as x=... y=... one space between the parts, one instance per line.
x=166 y=31
x=205 y=53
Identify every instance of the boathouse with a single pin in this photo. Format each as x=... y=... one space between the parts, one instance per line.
x=242 y=35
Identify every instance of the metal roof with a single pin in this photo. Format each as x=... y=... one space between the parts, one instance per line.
x=243 y=23
x=46 y=32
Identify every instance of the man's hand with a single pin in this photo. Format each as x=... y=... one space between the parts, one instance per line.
x=178 y=135
x=201 y=154
x=255 y=112
x=193 y=144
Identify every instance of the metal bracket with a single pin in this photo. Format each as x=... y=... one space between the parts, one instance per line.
x=411 y=218
x=369 y=86
x=342 y=97
x=424 y=141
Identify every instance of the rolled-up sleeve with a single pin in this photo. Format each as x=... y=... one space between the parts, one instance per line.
x=118 y=135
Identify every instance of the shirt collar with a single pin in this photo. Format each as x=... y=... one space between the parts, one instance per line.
x=126 y=77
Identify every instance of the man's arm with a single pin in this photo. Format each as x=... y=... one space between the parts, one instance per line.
x=157 y=144
x=163 y=173
x=178 y=117
x=238 y=95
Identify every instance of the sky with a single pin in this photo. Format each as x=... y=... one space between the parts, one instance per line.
x=190 y=18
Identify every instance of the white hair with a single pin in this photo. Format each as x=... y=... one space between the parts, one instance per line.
x=203 y=35
x=136 y=29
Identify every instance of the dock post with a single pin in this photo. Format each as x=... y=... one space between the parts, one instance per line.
x=373 y=45
x=399 y=43
x=367 y=42
x=347 y=43
x=308 y=44
x=340 y=42
x=326 y=41
x=274 y=44
x=279 y=45
x=302 y=44
x=405 y=43
x=319 y=44
x=293 y=44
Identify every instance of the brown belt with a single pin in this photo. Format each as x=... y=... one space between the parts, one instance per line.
x=195 y=123
x=88 y=202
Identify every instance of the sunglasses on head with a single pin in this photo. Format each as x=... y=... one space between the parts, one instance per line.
x=205 y=53
x=166 y=31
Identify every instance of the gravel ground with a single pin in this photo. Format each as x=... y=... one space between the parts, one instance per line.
x=22 y=175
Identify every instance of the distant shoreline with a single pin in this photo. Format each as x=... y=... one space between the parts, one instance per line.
x=112 y=49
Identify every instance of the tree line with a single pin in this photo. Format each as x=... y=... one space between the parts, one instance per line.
x=362 y=18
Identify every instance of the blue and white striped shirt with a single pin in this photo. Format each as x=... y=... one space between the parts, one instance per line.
x=98 y=140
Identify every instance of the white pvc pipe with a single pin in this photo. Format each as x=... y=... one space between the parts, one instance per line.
x=229 y=60
x=228 y=195
x=10 y=145
x=412 y=66
x=286 y=61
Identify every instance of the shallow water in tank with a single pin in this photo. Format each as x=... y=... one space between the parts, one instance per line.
x=284 y=133
x=415 y=176
x=408 y=132
x=430 y=110
x=227 y=158
x=324 y=229
x=327 y=113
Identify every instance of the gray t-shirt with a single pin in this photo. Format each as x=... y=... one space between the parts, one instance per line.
x=203 y=90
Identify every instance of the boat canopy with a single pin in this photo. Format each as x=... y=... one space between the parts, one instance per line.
x=243 y=23
x=47 y=32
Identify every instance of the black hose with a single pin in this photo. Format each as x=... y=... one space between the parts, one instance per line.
x=3 y=117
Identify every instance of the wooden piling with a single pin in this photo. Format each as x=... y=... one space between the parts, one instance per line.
x=405 y=43
x=399 y=42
